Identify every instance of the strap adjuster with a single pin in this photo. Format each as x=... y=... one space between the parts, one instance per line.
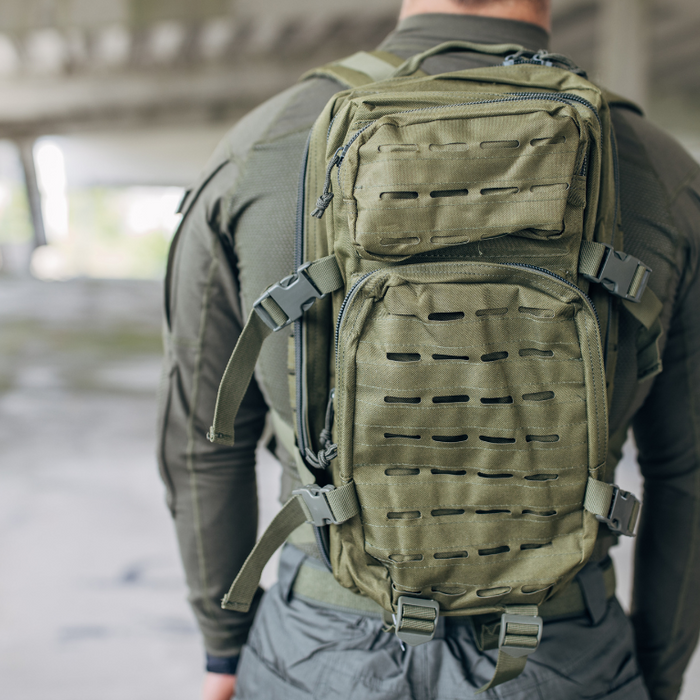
x=315 y=499
x=520 y=635
x=294 y=295
x=623 y=513
x=416 y=620
x=621 y=274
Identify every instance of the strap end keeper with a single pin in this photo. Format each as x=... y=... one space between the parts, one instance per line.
x=220 y=438
x=235 y=607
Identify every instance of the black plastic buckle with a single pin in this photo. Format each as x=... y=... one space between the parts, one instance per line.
x=294 y=295
x=317 y=502
x=623 y=514
x=413 y=637
x=512 y=649
x=616 y=273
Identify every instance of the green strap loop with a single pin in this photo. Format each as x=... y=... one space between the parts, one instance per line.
x=414 y=63
x=362 y=68
x=598 y=497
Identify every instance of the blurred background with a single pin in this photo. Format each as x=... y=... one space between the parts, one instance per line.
x=108 y=110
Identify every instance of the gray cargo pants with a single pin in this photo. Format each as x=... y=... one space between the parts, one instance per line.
x=300 y=651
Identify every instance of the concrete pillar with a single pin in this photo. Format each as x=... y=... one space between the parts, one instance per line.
x=624 y=47
x=26 y=152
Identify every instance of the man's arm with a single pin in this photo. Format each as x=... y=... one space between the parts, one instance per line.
x=211 y=489
x=666 y=606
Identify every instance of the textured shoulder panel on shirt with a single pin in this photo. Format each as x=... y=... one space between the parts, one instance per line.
x=674 y=166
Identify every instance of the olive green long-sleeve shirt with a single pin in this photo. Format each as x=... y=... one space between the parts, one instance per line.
x=248 y=195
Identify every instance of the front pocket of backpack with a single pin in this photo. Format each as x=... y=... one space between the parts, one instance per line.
x=471 y=411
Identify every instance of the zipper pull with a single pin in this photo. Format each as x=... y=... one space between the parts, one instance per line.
x=325 y=199
x=329 y=451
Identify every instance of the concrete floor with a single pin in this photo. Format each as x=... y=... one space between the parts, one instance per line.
x=92 y=600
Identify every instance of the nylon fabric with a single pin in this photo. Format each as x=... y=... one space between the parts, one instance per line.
x=598 y=497
x=236 y=379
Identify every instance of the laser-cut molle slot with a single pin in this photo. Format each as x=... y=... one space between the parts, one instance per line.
x=405 y=589
x=535 y=352
x=450 y=438
x=496 y=400
x=500 y=144
x=534 y=545
x=448 y=147
x=402 y=399
x=539 y=396
x=398 y=148
x=491 y=191
x=446 y=316
x=404 y=515
x=542 y=477
x=441 y=512
x=538 y=313
x=449 y=472
x=457 y=398
x=553 y=187
x=439 y=194
x=540 y=513
x=387 y=242
x=461 y=554
x=548 y=141
x=403 y=356
x=494 y=550
x=449 y=590
x=438 y=356
x=494 y=440
x=493 y=356
x=492 y=511
x=401 y=471
x=391 y=436
x=494 y=592
x=492 y=312
x=483 y=475
x=542 y=438
x=529 y=590
x=398 y=195
x=401 y=558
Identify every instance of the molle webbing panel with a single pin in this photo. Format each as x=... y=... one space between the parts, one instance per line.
x=470 y=415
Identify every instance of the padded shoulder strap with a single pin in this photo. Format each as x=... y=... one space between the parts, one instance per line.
x=362 y=68
x=615 y=100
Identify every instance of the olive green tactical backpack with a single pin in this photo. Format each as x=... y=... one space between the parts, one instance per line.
x=451 y=391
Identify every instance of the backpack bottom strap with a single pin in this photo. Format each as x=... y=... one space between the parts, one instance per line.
x=520 y=635
x=312 y=504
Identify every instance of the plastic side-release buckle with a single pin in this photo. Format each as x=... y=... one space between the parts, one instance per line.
x=294 y=295
x=520 y=635
x=623 y=513
x=416 y=620
x=316 y=501
x=621 y=274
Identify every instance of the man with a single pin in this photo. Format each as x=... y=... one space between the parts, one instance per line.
x=237 y=238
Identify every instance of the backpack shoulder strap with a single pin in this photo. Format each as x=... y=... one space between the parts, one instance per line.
x=362 y=68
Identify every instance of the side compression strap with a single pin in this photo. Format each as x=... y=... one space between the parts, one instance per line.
x=283 y=303
x=319 y=506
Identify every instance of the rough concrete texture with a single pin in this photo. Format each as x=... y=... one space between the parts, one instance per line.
x=92 y=600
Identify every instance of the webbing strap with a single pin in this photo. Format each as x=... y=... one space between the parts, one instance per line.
x=341 y=504
x=371 y=65
x=617 y=508
x=521 y=631
x=281 y=304
x=236 y=379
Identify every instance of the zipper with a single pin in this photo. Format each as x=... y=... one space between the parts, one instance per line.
x=339 y=156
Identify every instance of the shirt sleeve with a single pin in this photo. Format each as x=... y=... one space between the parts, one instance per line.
x=211 y=489
x=666 y=606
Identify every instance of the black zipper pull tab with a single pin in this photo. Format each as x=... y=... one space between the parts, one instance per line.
x=329 y=451
x=325 y=199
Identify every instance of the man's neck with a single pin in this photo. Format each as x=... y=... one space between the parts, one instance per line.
x=533 y=13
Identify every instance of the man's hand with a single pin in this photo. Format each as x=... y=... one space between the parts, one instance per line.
x=218 y=686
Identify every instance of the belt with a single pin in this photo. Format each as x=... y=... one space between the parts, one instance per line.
x=588 y=592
